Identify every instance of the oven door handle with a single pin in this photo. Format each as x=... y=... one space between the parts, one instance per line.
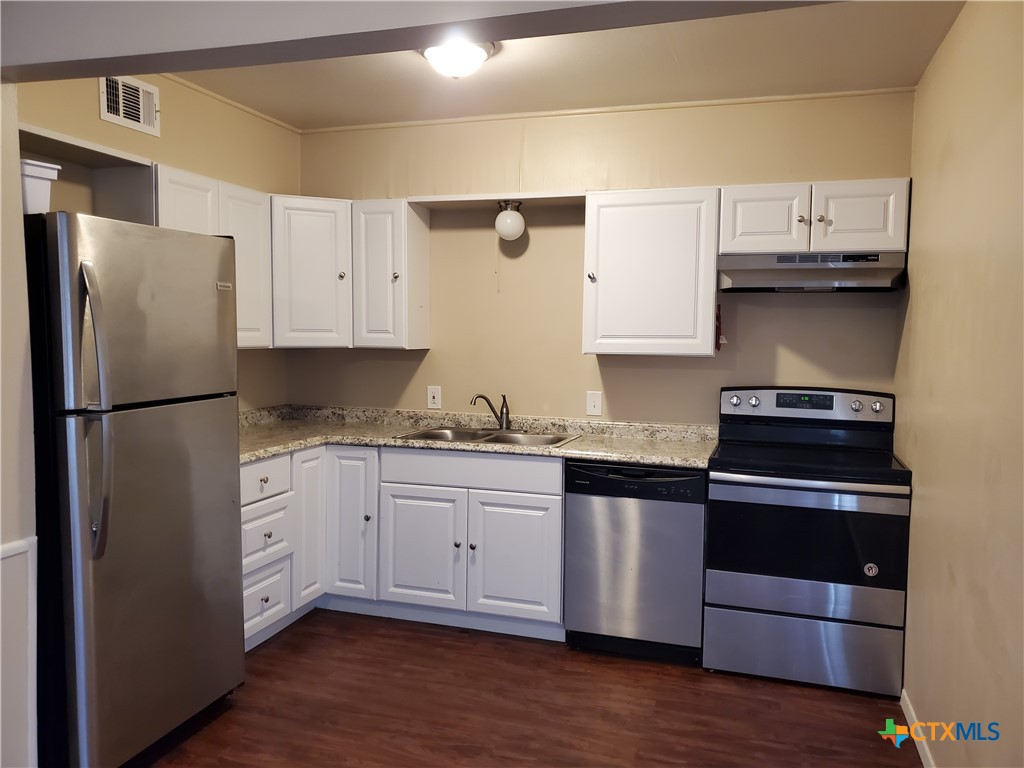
x=808 y=499
x=816 y=485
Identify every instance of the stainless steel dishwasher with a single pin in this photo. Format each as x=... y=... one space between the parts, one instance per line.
x=634 y=559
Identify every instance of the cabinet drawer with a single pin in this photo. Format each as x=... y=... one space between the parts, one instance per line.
x=267 y=531
x=263 y=479
x=266 y=595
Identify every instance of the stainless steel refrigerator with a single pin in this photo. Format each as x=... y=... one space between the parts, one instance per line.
x=136 y=422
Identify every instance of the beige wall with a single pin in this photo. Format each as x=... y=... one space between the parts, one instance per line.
x=199 y=134
x=510 y=320
x=17 y=481
x=959 y=380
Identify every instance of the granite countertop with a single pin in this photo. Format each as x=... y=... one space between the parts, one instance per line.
x=271 y=432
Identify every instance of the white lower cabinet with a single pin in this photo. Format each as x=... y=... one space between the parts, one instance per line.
x=353 y=479
x=423 y=545
x=266 y=595
x=515 y=557
x=310 y=484
x=483 y=550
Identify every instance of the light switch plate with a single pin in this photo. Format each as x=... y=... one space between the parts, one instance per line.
x=593 y=403
x=433 y=397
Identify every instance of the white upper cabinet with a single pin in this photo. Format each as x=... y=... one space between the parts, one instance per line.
x=860 y=215
x=391 y=274
x=765 y=218
x=831 y=216
x=649 y=272
x=312 y=258
x=187 y=201
x=206 y=206
x=245 y=215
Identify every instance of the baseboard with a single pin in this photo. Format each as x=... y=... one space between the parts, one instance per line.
x=20 y=555
x=267 y=632
x=463 y=619
x=924 y=751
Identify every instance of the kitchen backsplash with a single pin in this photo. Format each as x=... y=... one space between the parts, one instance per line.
x=421 y=419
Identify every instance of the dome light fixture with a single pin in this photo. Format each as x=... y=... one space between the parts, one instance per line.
x=510 y=223
x=458 y=57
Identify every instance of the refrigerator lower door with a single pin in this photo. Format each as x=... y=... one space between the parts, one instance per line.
x=155 y=579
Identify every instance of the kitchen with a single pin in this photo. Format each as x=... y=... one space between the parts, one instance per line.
x=867 y=347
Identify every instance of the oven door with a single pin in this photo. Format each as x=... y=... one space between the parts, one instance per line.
x=808 y=547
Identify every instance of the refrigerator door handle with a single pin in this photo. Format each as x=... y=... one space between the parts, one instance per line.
x=99 y=330
x=101 y=526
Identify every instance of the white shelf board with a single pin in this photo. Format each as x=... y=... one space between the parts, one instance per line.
x=60 y=146
x=491 y=200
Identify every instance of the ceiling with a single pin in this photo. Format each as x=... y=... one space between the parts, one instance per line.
x=829 y=48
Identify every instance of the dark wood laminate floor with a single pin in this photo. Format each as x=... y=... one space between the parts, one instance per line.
x=339 y=689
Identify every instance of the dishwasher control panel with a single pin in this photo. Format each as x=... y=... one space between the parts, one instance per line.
x=635 y=481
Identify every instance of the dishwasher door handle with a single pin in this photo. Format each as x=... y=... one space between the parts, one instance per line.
x=641 y=476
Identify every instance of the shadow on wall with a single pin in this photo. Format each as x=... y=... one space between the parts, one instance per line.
x=828 y=340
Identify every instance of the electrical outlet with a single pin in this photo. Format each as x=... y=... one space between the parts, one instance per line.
x=593 y=403
x=433 y=397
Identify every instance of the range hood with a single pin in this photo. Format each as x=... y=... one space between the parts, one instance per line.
x=806 y=272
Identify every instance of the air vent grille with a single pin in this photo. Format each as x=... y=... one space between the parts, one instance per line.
x=785 y=258
x=131 y=103
x=808 y=258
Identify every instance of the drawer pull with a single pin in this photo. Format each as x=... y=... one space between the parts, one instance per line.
x=265 y=599
x=268 y=534
x=366 y=518
x=264 y=480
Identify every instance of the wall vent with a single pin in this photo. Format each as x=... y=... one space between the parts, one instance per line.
x=131 y=103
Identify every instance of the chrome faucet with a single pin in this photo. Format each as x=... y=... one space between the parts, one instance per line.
x=503 y=420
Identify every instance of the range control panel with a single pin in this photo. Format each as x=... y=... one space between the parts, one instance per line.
x=837 y=405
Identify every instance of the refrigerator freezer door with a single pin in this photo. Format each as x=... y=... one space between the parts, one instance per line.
x=158 y=305
x=157 y=612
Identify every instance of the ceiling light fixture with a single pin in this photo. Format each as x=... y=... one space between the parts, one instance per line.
x=510 y=223
x=458 y=58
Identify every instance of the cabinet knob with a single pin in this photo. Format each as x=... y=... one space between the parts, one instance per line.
x=366 y=518
x=264 y=480
x=472 y=545
x=265 y=599
x=592 y=277
x=820 y=218
x=268 y=534
x=394 y=275
x=801 y=218
x=341 y=275
x=458 y=544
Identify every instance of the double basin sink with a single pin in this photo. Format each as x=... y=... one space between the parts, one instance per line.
x=489 y=436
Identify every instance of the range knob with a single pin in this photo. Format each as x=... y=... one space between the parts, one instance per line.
x=754 y=401
x=734 y=401
x=856 y=406
x=877 y=406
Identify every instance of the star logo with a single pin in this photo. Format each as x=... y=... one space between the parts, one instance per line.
x=894 y=733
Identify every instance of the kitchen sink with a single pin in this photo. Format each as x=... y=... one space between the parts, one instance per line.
x=506 y=438
x=449 y=434
x=494 y=436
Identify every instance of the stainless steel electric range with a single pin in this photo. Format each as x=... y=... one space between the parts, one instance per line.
x=808 y=527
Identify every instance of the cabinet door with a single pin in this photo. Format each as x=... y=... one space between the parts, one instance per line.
x=423 y=545
x=765 y=218
x=312 y=267
x=391 y=273
x=515 y=555
x=186 y=201
x=353 y=475
x=869 y=215
x=649 y=272
x=310 y=486
x=245 y=215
